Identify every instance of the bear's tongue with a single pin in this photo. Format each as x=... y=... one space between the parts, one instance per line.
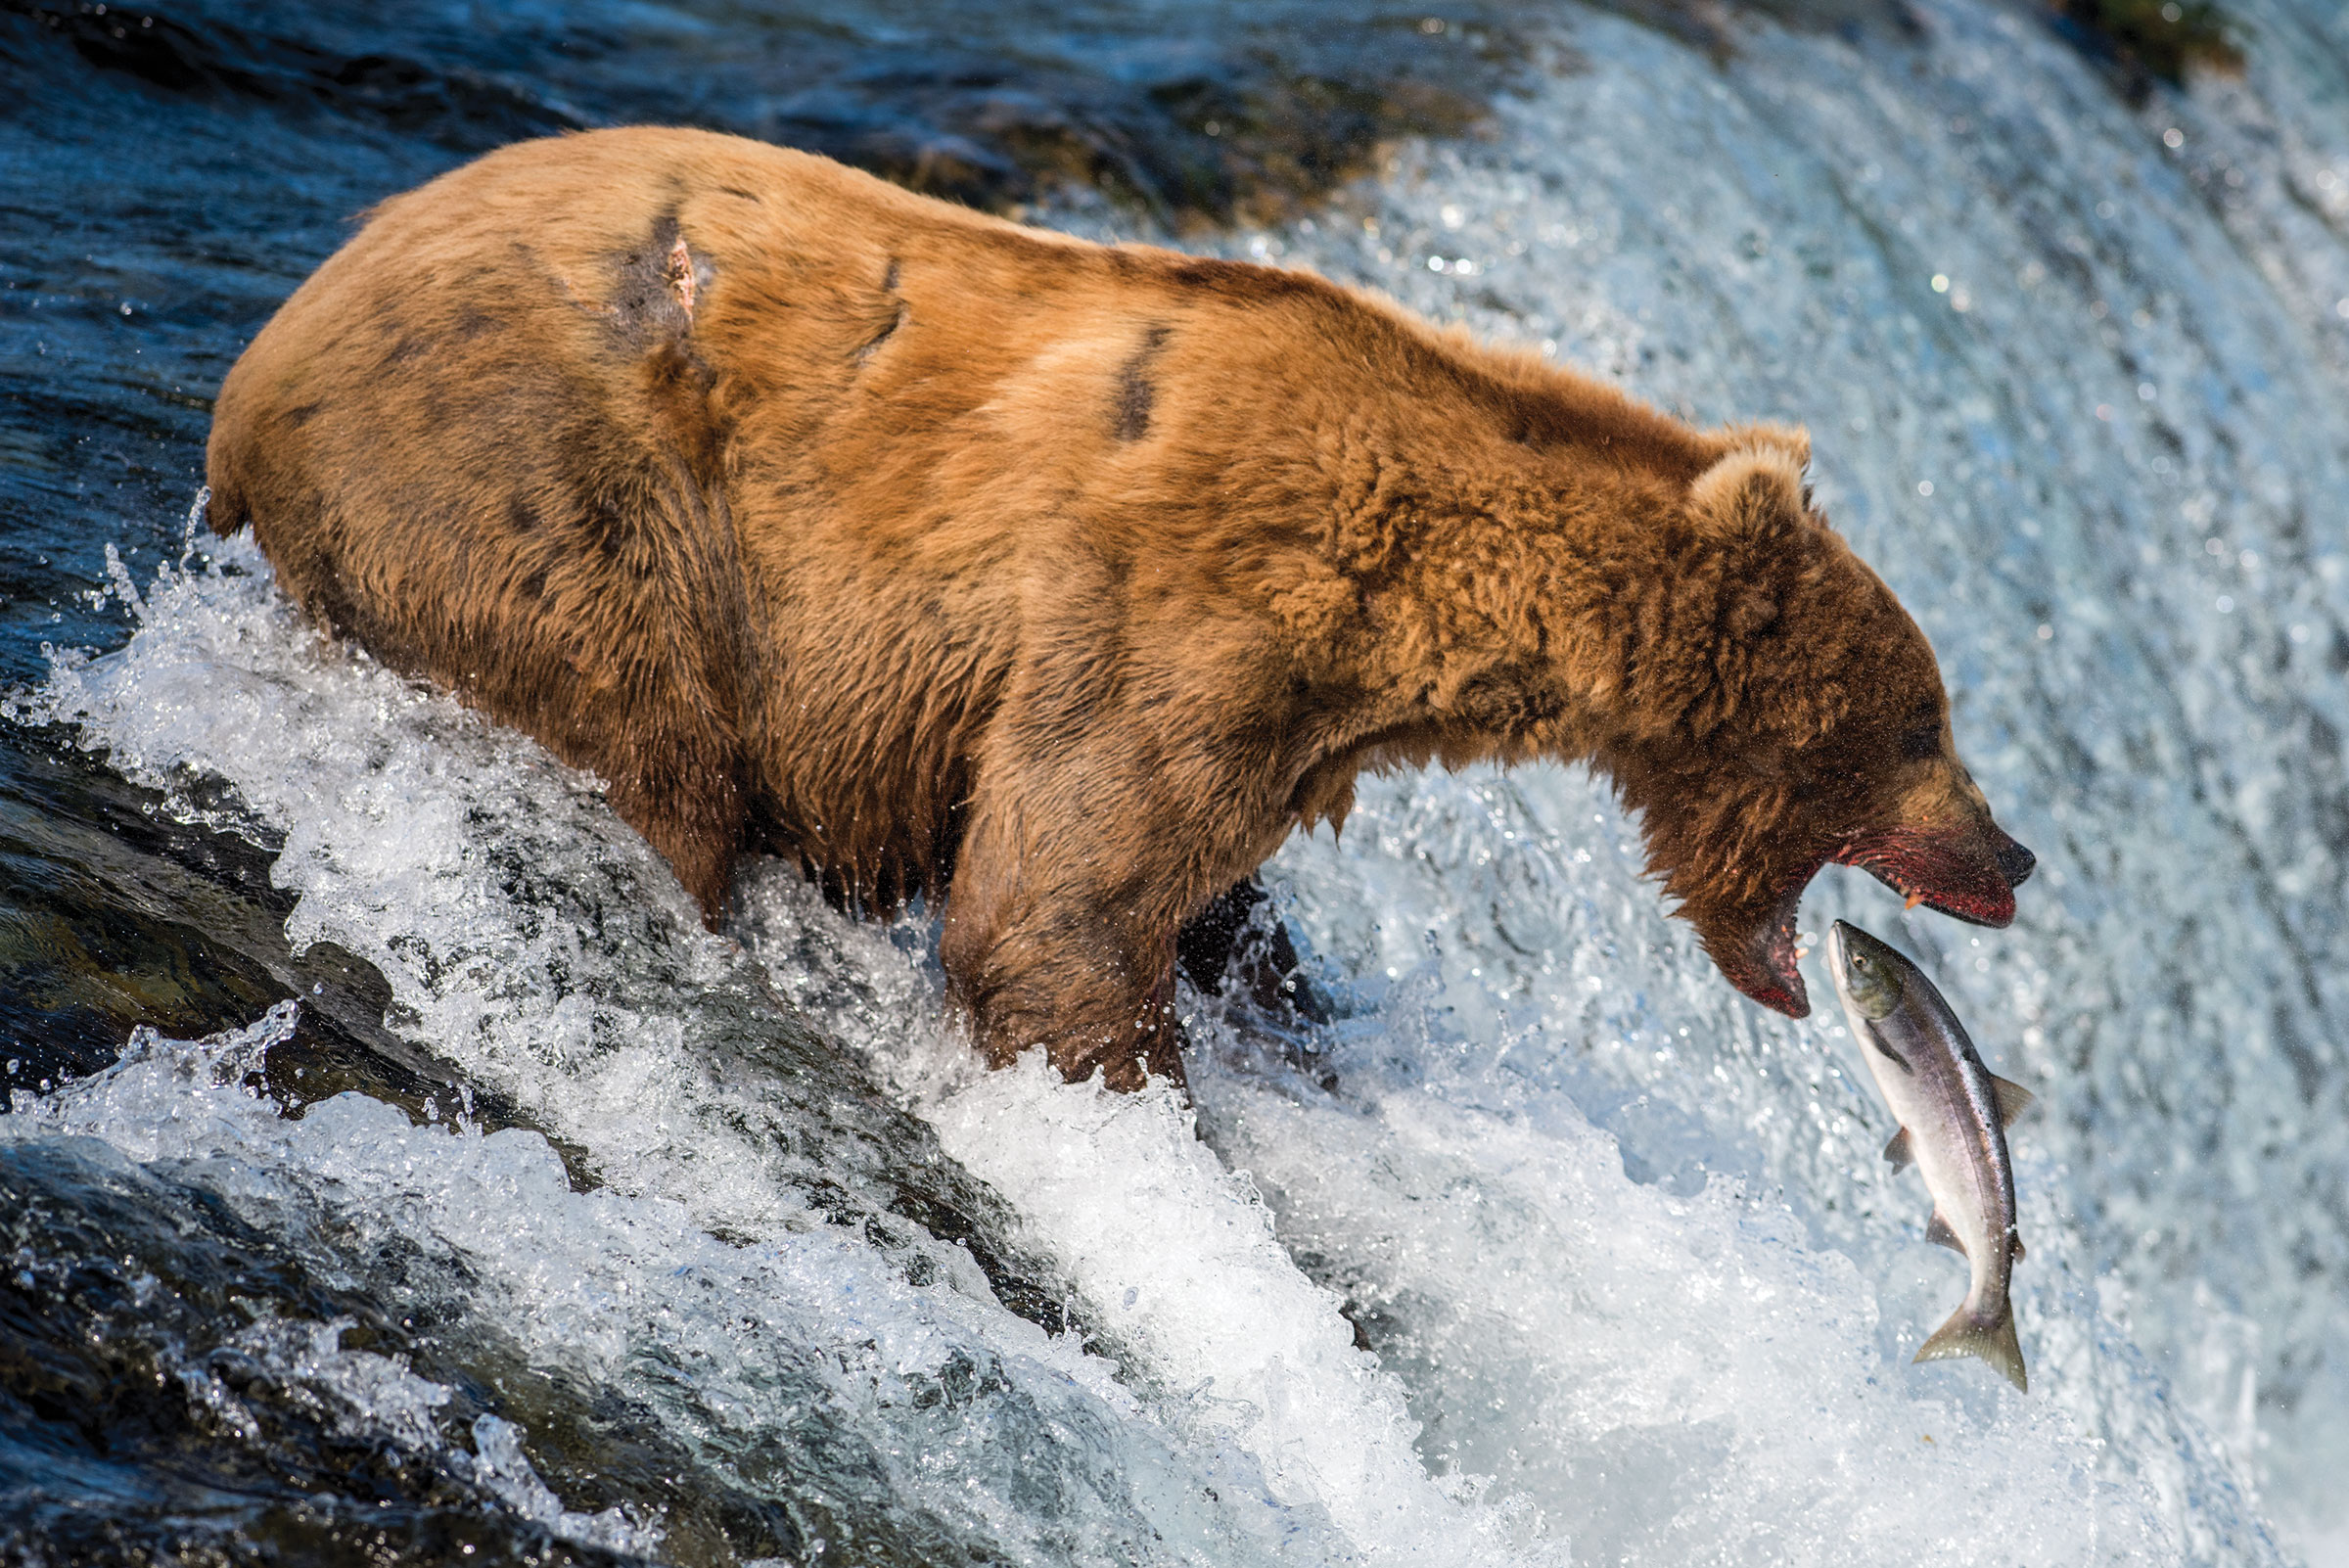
x=1762 y=963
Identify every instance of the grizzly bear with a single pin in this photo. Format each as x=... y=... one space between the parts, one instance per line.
x=1056 y=581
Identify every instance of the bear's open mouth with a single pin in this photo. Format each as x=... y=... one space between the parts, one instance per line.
x=1968 y=876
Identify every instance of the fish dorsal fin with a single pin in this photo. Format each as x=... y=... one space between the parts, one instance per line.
x=1937 y=1229
x=2013 y=1100
x=1897 y=1153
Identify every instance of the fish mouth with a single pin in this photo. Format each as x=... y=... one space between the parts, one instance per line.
x=1838 y=948
x=1968 y=876
x=1842 y=938
x=1760 y=961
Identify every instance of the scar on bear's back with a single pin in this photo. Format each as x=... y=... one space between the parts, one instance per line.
x=896 y=318
x=656 y=286
x=1138 y=394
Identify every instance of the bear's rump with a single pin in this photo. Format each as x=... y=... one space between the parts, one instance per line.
x=455 y=458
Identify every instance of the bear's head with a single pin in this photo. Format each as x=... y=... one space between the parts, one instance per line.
x=1783 y=713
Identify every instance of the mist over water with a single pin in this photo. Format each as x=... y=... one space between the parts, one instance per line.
x=1553 y=1249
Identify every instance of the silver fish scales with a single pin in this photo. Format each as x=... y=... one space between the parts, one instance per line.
x=1953 y=1112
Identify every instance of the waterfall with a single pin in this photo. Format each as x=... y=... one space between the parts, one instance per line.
x=1551 y=1248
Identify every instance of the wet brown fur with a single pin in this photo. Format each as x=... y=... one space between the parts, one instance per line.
x=1059 y=579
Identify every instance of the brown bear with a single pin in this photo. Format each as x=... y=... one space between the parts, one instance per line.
x=1057 y=580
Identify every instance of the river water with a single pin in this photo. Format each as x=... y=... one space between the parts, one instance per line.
x=394 y=1169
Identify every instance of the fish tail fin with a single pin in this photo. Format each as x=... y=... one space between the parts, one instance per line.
x=1994 y=1343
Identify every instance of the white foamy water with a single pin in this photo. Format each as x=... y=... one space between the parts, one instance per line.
x=1641 y=1289
x=1572 y=1346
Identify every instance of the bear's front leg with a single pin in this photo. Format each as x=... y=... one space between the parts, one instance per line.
x=1074 y=957
x=1069 y=888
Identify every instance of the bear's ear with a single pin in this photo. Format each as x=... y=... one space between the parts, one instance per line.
x=1791 y=441
x=1753 y=496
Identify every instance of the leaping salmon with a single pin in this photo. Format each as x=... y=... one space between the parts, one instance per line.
x=1954 y=1114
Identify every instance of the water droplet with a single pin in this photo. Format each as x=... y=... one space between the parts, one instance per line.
x=1941 y=283
x=2173 y=138
x=2047 y=634
x=1924 y=486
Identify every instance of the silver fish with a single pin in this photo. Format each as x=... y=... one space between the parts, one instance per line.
x=1954 y=1114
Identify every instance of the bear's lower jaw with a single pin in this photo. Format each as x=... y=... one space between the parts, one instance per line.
x=1762 y=961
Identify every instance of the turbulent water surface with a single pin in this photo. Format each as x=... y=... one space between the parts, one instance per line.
x=393 y=1168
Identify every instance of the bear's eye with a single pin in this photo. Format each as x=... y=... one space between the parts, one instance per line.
x=1921 y=742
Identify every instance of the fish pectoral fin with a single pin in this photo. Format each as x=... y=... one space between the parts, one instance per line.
x=1898 y=1154
x=2018 y=1255
x=2013 y=1100
x=1937 y=1229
